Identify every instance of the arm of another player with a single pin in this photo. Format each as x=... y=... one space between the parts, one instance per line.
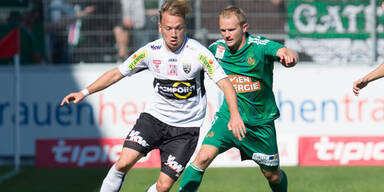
x=288 y=58
x=236 y=124
x=108 y=78
x=373 y=75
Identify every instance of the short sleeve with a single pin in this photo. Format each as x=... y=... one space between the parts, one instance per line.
x=211 y=66
x=135 y=63
x=271 y=47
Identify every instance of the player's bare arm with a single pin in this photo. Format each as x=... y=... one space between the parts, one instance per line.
x=108 y=78
x=236 y=124
x=361 y=83
x=288 y=58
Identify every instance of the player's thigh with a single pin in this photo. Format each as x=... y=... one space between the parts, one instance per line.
x=260 y=145
x=177 y=148
x=219 y=136
x=145 y=135
x=165 y=182
x=205 y=156
x=128 y=158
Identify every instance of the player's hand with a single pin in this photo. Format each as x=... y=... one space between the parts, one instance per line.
x=288 y=60
x=72 y=97
x=128 y=23
x=287 y=57
x=236 y=125
x=358 y=85
x=88 y=10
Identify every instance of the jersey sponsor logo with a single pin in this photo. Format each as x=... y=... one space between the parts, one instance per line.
x=244 y=84
x=134 y=136
x=208 y=63
x=136 y=59
x=220 y=51
x=172 y=60
x=157 y=64
x=257 y=40
x=187 y=67
x=176 y=89
x=172 y=70
x=174 y=165
x=155 y=47
x=250 y=60
x=264 y=159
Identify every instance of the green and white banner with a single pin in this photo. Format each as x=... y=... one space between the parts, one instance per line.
x=333 y=19
x=334 y=31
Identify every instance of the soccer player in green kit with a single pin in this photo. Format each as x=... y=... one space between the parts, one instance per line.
x=248 y=61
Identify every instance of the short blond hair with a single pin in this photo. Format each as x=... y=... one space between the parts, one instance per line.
x=175 y=7
x=236 y=11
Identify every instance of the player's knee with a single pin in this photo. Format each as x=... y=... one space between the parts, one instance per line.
x=163 y=186
x=272 y=176
x=123 y=165
x=203 y=160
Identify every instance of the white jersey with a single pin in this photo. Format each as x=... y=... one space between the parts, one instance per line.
x=179 y=97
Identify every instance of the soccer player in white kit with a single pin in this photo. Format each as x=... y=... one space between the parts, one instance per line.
x=174 y=114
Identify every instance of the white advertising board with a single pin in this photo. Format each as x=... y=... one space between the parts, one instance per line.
x=313 y=100
x=318 y=100
x=110 y=113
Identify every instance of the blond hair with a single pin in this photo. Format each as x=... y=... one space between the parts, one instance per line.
x=175 y=7
x=236 y=11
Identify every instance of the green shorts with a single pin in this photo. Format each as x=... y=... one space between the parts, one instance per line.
x=258 y=145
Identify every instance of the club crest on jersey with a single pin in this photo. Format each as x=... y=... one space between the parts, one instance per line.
x=208 y=63
x=250 y=60
x=136 y=59
x=172 y=70
x=220 y=50
x=187 y=67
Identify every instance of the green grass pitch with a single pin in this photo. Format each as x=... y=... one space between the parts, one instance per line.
x=305 y=179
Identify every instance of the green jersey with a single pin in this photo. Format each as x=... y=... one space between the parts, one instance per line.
x=250 y=70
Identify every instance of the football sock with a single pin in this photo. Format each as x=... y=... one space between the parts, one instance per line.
x=152 y=188
x=113 y=181
x=282 y=186
x=191 y=179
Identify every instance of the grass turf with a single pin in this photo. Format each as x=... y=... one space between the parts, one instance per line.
x=314 y=179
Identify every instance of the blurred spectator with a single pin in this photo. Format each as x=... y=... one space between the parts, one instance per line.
x=151 y=19
x=132 y=26
x=280 y=4
x=33 y=21
x=29 y=50
x=61 y=15
x=277 y=2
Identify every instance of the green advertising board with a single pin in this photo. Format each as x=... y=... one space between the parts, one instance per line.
x=333 y=19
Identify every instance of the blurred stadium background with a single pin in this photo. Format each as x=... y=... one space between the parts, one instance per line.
x=322 y=123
